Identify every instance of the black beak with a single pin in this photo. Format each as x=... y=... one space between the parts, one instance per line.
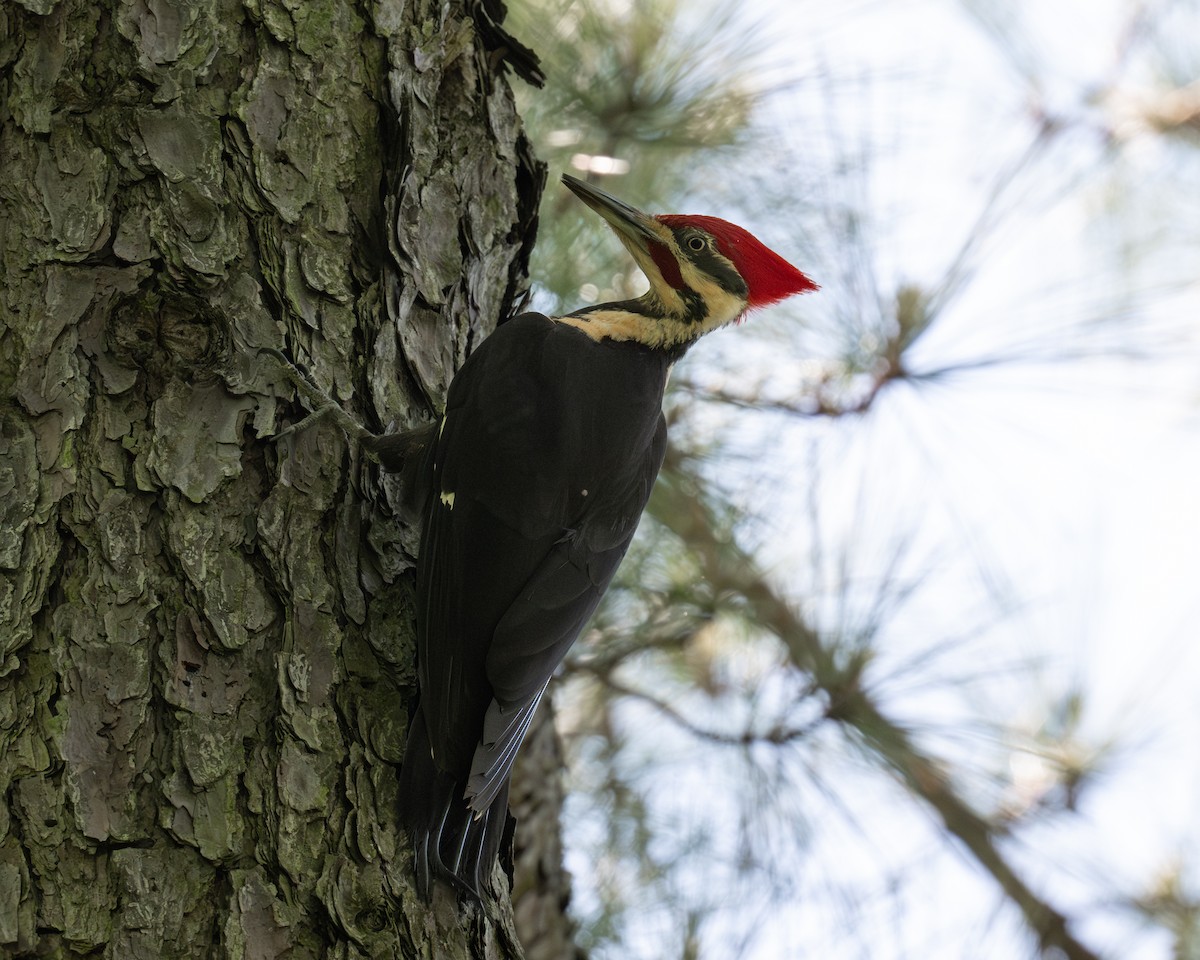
x=629 y=222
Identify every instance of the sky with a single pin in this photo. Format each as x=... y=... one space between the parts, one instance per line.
x=1055 y=494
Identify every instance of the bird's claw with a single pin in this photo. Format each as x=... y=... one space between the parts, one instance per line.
x=322 y=405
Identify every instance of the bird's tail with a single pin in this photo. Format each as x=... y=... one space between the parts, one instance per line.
x=450 y=841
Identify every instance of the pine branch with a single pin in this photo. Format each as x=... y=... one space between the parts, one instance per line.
x=729 y=569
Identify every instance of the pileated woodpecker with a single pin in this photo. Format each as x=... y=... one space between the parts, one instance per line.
x=532 y=485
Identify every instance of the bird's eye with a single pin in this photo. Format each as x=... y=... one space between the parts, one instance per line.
x=697 y=243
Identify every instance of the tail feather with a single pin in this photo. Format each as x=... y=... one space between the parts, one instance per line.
x=450 y=841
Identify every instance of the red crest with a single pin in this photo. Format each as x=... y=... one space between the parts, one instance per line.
x=769 y=277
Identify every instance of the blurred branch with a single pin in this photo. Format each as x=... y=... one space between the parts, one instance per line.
x=1172 y=905
x=815 y=400
x=776 y=735
x=995 y=209
x=729 y=569
x=662 y=630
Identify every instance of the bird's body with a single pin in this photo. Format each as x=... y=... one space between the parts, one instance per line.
x=537 y=475
x=536 y=490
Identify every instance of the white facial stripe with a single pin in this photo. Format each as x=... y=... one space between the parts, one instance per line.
x=723 y=307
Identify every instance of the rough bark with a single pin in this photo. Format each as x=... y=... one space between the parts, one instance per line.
x=205 y=637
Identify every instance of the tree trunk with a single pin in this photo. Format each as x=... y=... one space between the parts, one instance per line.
x=205 y=636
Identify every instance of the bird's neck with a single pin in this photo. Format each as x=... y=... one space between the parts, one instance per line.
x=642 y=321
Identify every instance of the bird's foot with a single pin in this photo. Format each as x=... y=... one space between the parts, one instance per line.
x=321 y=404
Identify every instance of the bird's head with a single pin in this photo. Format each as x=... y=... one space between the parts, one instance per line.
x=704 y=272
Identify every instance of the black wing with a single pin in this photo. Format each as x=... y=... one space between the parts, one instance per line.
x=548 y=450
